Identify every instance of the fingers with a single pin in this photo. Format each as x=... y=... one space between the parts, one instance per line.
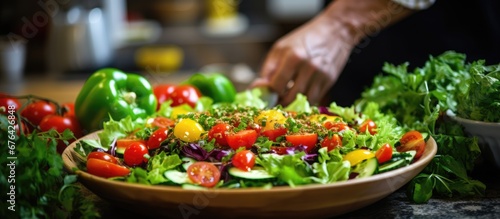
x=304 y=77
x=286 y=71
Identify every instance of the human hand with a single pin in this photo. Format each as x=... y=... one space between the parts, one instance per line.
x=310 y=59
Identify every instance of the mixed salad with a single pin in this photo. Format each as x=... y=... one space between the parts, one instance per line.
x=245 y=144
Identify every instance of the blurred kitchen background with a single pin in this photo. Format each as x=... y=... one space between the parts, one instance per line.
x=67 y=40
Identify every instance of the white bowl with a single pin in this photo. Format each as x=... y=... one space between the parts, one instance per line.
x=488 y=134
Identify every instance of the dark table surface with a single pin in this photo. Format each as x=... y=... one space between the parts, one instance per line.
x=397 y=204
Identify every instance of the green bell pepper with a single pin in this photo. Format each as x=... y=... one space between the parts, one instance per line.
x=214 y=85
x=111 y=93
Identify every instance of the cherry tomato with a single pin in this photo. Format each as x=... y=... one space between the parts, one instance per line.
x=7 y=102
x=187 y=94
x=336 y=126
x=332 y=142
x=412 y=140
x=307 y=140
x=105 y=169
x=384 y=153
x=102 y=156
x=60 y=124
x=134 y=154
x=161 y=122
x=123 y=143
x=219 y=133
x=37 y=110
x=244 y=138
x=270 y=119
x=279 y=150
x=157 y=138
x=368 y=125
x=357 y=156
x=188 y=130
x=244 y=160
x=204 y=174
x=68 y=109
x=273 y=134
x=162 y=93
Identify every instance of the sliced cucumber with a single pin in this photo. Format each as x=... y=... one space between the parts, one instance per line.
x=388 y=166
x=186 y=162
x=193 y=187
x=366 y=168
x=177 y=177
x=255 y=173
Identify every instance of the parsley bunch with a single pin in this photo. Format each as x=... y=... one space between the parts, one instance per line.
x=35 y=179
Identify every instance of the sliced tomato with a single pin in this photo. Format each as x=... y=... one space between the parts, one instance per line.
x=244 y=160
x=336 y=126
x=162 y=122
x=102 y=156
x=273 y=134
x=308 y=140
x=105 y=169
x=244 y=138
x=384 y=153
x=279 y=150
x=332 y=142
x=134 y=154
x=157 y=138
x=219 y=133
x=412 y=140
x=368 y=125
x=204 y=173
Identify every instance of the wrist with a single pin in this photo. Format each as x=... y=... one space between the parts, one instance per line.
x=363 y=18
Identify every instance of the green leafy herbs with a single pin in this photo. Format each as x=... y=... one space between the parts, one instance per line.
x=481 y=101
x=419 y=98
x=38 y=185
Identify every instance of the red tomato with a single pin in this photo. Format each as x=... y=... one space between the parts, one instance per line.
x=102 y=156
x=123 y=143
x=336 y=126
x=332 y=142
x=384 y=153
x=273 y=134
x=162 y=93
x=185 y=94
x=219 y=133
x=244 y=138
x=10 y=103
x=105 y=169
x=68 y=109
x=157 y=138
x=412 y=140
x=60 y=124
x=307 y=140
x=134 y=154
x=244 y=160
x=162 y=122
x=37 y=110
x=279 y=149
x=204 y=173
x=368 y=125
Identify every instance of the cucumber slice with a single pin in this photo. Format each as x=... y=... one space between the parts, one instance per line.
x=186 y=162
x=193 y=187
x=388 y=166
x=366 y=168
x=255 y=173
x=177 y=177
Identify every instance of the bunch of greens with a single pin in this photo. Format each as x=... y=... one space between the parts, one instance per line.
x=39 y=186
x=418 y=100
x=481 y=101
